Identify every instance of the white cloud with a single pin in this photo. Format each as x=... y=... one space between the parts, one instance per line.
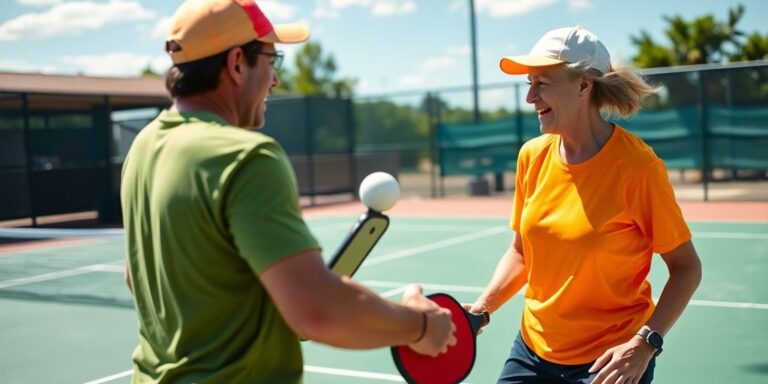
x=447 y=59
x=459 y=50
x=38 y=2
x=160 y=63
x=117 y=64
x=391 y=8
x=278 y=11
x=323 y=10
x=14 y=65
x=495 y=98
x=457 y=5
x=378 y=8
x=72 y=18
x=411 y=81
x=505 y=8
x=161 y=28
x=364 y=86
x=580 y=4
x=436 y=63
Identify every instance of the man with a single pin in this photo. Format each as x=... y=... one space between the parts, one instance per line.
x=224 y=271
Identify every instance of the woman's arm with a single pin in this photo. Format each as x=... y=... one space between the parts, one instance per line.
x=630 y=360
x=509 y=276
x=684 y=277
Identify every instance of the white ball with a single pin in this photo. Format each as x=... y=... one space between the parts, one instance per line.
x=379 y=191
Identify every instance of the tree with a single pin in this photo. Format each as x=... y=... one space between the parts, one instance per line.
x=316 y=73
x=149 y=72
x=702 y=40
x=385 y=124
x=651 y=54
x=286 y=82
x=755 y=48
x=699 y=41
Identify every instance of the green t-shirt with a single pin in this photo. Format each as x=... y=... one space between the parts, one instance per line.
x=207 y=207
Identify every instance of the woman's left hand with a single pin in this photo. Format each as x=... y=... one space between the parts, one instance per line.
x=623 y=364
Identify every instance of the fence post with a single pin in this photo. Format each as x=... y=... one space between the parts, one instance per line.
x=108 y=206
x=437 y=110
x=432 y=146
x=310 y=149
x=704 y=135
x=352 y=146
x=28 y=157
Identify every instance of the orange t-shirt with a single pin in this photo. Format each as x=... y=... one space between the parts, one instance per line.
x=588 y=232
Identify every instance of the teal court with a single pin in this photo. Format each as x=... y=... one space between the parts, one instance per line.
x=67 y=317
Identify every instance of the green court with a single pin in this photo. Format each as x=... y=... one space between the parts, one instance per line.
x=67 y=317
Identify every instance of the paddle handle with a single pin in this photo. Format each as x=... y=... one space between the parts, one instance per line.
x=479 y=320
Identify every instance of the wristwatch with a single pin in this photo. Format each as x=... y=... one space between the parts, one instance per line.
x=653 y=339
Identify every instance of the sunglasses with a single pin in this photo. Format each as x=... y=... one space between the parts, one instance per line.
x=277 y=57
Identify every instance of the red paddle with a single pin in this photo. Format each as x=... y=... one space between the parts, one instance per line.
x=452 y=366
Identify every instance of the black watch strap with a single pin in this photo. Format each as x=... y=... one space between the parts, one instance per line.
x=653 y=339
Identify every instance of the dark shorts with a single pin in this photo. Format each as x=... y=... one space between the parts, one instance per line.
x=523 y=366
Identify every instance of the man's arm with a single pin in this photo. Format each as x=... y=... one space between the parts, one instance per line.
x=507 y=279
x=337 y=311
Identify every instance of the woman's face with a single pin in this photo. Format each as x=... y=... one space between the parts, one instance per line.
x=555 y=96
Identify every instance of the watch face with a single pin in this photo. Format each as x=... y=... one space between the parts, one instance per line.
x=655 y=340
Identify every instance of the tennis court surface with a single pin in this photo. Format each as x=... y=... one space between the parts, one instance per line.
x=67 y=317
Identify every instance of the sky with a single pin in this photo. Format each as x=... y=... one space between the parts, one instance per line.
x=385 y=45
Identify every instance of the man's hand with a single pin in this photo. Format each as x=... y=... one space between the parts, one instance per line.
x=439 y=333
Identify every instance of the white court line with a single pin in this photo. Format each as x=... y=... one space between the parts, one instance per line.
x=406 y=227
x=393 y=292
x=39 y=233
x=44 y=277
x=351 y=373
x=400 y=286
x=332 y=228
x=388 y=257
x=307 y=368
x=438 y=228
x=730 y=235
x=62 y=274
x=727 y=304
x=109 y=378
x=436 y=245
x=106 y=268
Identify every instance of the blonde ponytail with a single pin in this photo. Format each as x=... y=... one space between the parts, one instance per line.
x=619 y=92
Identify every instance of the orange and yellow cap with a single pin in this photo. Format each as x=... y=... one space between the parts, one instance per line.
x=202 y=28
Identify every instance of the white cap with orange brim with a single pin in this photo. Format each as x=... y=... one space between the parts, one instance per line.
x=562 y=45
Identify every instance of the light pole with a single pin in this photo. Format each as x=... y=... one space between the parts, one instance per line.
x=475 y=102
x=478 y=185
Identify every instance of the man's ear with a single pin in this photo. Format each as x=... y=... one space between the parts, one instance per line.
x=236 y=65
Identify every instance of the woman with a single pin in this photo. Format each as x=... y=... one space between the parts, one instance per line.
x=592 y=204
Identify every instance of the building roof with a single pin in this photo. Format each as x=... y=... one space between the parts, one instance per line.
x=69 y=91
x=82 y=85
